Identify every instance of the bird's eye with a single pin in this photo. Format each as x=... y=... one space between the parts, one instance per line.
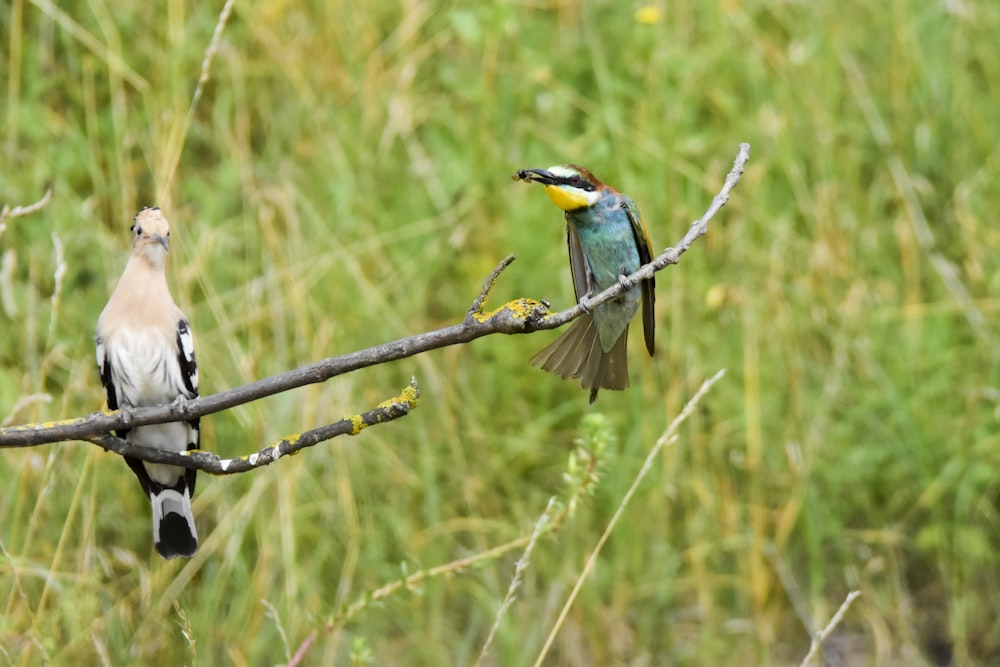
x=137 y=229
x=576 y=180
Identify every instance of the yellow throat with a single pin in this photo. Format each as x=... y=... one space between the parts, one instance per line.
x=566 y=198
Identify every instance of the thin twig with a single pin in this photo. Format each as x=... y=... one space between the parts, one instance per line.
x=791 y=587
x=8 y=213
x=301 y=651
x=413 y=581
x=822 y=635
x=515 y=582
x=173 y=155
x=394 y=408
x=477 y=304
x=668 y=437
x=582 y=485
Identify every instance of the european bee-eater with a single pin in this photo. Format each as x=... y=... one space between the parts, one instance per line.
x=607 y=240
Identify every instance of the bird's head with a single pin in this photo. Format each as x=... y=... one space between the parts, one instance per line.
x=569 y=187
x=151 y=235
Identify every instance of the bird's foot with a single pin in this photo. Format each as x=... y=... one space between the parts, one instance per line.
x=584 y=303
x=125 y=412
x=179 y=405
x=623 y=281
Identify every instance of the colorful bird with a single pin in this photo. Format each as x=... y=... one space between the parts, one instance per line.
x=145 y=355
x=607 y=240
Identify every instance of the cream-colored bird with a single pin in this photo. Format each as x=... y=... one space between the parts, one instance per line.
x=145 y=354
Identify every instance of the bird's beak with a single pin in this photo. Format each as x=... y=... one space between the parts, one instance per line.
x=537 y=175
x=159 y=238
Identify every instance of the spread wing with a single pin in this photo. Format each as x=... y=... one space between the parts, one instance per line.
x=644 y=246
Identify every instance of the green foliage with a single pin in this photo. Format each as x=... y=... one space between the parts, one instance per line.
x=345 y=180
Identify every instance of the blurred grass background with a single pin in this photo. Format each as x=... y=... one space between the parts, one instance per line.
x=345 y=181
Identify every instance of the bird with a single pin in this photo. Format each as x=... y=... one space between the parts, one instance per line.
x=607 y=240
x=145 y=355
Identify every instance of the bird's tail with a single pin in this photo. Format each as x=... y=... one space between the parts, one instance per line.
x=174 y=533
x=577 y=354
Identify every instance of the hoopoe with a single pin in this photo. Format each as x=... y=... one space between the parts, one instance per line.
x=145 y=354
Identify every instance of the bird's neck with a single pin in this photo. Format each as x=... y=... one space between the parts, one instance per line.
x=152 y=254
x=151 y=280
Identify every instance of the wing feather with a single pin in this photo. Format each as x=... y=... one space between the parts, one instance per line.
x=189 y=375
x=582 y=282
x=644 y=246
x=186 y=359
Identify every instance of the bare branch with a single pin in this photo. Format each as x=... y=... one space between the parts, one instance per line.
x=386 y=411
x=515 y=317
x=480 y=300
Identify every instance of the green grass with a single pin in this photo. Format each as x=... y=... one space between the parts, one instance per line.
x=345 y=181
